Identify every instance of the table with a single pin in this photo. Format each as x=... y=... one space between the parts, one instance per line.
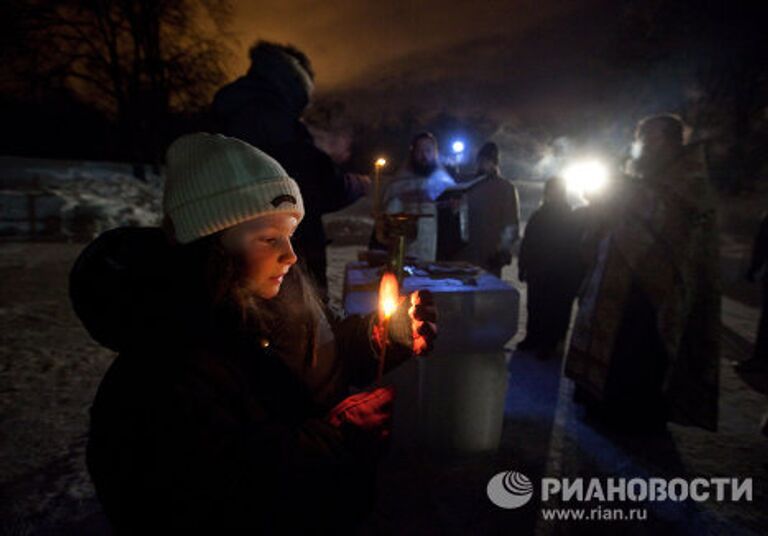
x=452 y=399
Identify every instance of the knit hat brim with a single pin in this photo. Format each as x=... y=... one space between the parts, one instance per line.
x=215 y=182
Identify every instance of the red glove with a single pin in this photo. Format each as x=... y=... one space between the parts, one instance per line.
x=369 y=411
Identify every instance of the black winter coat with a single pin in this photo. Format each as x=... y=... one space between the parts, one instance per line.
x=201 y=427
x=549 y=252
x=264 y=109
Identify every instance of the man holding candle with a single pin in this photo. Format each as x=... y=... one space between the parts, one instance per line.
x=228 y=408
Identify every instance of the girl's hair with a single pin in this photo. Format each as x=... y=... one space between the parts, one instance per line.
x=283 y=319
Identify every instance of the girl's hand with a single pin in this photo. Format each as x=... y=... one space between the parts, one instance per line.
x=423 y=316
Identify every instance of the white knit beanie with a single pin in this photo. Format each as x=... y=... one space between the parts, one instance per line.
x=214 y=182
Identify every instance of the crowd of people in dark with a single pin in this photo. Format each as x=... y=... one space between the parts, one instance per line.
x=239 y=401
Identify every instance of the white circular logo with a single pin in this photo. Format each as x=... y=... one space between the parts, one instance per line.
x=510 y=489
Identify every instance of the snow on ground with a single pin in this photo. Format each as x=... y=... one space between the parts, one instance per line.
x=741 y=299
x=741 y=318
x=49 y=371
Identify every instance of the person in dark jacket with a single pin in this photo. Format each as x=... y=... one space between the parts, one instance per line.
x=228 y=409
x=758 y=267
x=549 y=264
x=264 y=109
x=492 y=215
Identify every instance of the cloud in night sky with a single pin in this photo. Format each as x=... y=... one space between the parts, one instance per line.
x=349 y=41
x=545 y=62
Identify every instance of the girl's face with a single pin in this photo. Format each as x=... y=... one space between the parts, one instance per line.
x=265 y=246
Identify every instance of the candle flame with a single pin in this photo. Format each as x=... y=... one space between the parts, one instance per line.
x=389 y=295
x=381 y=162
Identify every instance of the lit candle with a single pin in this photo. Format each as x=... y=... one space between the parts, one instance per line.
x=380 y=163
x=389 y=299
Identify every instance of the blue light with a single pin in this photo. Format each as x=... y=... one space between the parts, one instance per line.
x=458 y=146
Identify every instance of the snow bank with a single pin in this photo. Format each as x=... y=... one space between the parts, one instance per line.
x=77 y=199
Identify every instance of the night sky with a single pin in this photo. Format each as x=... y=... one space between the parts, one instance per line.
x=463 y=56
x=549 y=62
x=353 y=42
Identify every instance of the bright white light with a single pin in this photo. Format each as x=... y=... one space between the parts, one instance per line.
x=586 y=177
x=458 y=146
x=388 y=306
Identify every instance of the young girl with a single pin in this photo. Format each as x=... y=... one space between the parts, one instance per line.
x=228 y=407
